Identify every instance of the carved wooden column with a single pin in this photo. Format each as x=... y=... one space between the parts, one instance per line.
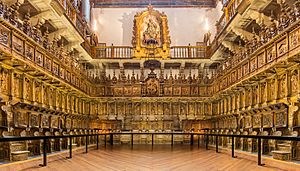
x=51 y=97
x=10 y=83
x=79 y=106
x=161 y=80
x=115 y=107
x=58 y=100
x=16 y=87
x=243 y=98
x=211 y=105
x=68 y=103
x=288 y=84
x=142 y=80
x=232 y=96
x=35 y=92
x=238 y=101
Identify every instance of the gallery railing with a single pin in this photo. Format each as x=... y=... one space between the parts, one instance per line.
x=206 y=138
x=189 y=52
x=113 y=52
x=76 y=19
x=126 y=52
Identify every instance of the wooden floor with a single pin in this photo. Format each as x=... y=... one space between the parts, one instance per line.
x=144 y=158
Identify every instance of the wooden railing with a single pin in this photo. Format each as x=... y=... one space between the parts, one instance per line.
x=220 y=25
x=118 y=52
x=189 y=52
x=57 y=63
x=205 y=140
x=238 y=68
x=229 y=11
x=76 y=19
x=126 y=52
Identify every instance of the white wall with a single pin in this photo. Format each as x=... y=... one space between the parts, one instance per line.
x=186 y=25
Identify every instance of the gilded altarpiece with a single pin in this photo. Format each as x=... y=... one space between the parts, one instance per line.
x=151 y=34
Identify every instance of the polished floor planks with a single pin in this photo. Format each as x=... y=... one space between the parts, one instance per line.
x=144 y=158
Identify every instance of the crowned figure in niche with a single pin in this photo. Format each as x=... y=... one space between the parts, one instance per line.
x=151 y=33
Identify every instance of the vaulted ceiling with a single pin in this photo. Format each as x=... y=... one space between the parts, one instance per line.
x=155 y=3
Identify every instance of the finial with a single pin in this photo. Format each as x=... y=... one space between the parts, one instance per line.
x=150 y=7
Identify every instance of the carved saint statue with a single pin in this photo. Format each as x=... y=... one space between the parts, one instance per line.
x=151 y=34
x=8 y=109
x=294 y=81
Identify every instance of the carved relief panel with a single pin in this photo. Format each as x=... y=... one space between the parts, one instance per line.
x=248 y=122
x=58 y=99
x=45 y=123
x=177 y=90
x=4 y=80
x=257 y=121
x=191 y=109
x=4 y=36
x=37 y=92
x=255 y=96
x=21 y=119
x=54 y=122
x=268 y=120
x=294 y=82
x=263 y=93
x=294 y=37
x=68 y=123
x=271 y=54
x=261 y=59
x=160 y=108
x=248 y=96
x=271 y=89
x=39 y=58
x=166 y=109
x=282 y=86
x=246 y=68
x=253 y=64
x=280 y=118
x=16 y=85
x=18 y=44
x=137 y=108
x=183 y=108
x=27 y=89
x=29 y=51
x=34 y=120
x=282 y=47
x=45 y=95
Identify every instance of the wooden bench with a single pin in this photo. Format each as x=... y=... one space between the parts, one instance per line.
x=281 y=155
x=19 y=155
